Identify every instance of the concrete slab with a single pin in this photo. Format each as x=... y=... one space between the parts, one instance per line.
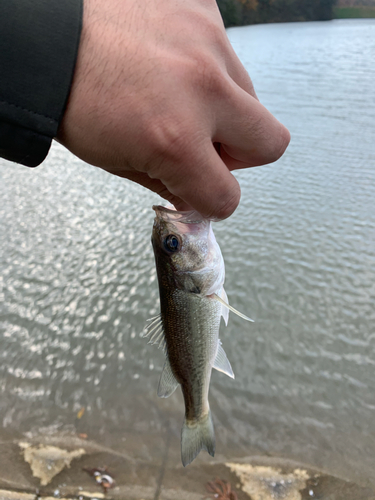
x=48 y=461
x=143 y=478
x=269 y=483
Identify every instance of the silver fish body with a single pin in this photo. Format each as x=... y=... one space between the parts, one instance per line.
x=190 y=271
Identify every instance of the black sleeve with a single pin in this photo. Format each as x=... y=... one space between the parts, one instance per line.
x=38 y=49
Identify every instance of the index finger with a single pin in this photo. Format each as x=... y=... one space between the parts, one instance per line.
x=249 y=134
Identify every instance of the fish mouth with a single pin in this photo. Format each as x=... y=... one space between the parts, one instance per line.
x=170 y=214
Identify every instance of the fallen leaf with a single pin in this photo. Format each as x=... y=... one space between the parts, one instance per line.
x=81 y=412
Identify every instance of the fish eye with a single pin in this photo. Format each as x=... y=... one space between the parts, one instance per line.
x=171 y=243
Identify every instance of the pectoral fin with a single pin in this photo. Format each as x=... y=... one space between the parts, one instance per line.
x=221 y=362
x=168 y=383
x=222 y=302
x=224 y=309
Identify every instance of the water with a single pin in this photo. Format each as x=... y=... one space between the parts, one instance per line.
x=77 y=279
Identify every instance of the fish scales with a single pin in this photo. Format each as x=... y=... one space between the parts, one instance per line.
x=190 y=336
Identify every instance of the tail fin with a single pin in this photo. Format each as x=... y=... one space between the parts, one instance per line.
x=197 y=435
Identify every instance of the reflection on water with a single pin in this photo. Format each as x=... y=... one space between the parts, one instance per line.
x=77 y=278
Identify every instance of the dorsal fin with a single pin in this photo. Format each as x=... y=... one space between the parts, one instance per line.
x=155 y=331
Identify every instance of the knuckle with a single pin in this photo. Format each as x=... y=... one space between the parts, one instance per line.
x=171 y=140
x=205 y=66
x=209 y=78
x=217 y=35
x=166 y=136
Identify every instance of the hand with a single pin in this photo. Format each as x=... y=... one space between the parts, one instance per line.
x=159 y=97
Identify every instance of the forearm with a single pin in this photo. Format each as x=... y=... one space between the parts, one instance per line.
x=38 y=48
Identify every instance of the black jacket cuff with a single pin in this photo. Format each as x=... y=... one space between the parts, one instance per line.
x=39 y=42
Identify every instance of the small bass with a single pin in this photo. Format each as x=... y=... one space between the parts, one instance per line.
x=190 y=270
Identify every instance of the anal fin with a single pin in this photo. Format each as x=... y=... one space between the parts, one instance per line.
x=221 y=362
x=168 y=383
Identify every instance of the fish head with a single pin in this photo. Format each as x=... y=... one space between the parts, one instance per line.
x=186 y=252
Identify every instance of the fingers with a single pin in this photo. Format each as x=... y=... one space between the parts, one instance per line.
x=249 y=134
x=202 y=181
x=238 y=73
x=157 y=187
x=207 y=187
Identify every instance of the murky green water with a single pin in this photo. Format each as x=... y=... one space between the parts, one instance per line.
x=77 y=279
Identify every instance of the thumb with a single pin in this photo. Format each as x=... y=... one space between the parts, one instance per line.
x=204 y=182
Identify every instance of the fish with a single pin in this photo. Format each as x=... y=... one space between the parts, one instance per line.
x=191 y=272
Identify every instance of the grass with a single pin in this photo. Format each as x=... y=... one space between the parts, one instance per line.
x=353 y=12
